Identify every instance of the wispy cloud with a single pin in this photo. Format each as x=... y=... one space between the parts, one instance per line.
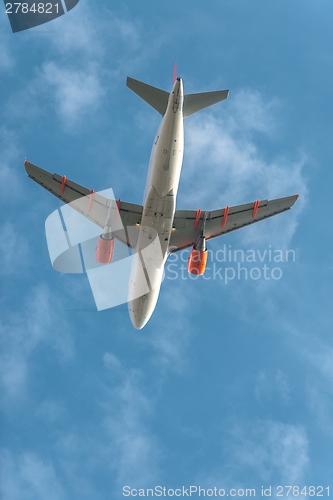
x=224 y=153
x=51 y=411
x=321 y=354
x=6 y=59
x=76 y=92
x=11 y=188
x=14 y=249
x=251 y=112
x=268 y=386
x=319 y=387
x=129 y=399
x=128 y=409
x=170 y=344
x=21 y=332
x=29 y=476
x=73 y=73
x=271 y=451
x=94 y=32
x=319 y=401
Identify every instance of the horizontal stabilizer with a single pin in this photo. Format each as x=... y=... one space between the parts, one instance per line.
x=197 y=102
x=157 y=98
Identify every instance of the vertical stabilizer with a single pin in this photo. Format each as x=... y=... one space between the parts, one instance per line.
x=174 y=73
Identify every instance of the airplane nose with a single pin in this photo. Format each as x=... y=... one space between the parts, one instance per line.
x=139 y=322
x=138 y=317
x=141 y=309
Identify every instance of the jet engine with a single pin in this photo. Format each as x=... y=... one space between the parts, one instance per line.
x=198 y=257
x=105 y=248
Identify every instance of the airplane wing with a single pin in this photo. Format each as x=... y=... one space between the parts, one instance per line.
x=91 y=205
x=188 y=224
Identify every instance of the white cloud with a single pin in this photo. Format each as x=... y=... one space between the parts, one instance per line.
x=133 y=449
x=112 y=362
x=129 y=403
x=6 y=60
x=6 y=45
x=269 y=385
x=51 y=411
x=21 y=332
x=30 y=477
x=318 y=352
x=94 y=32
x=120 y=445
x=13 y=372
x=321 y=355
x=222 y=156
x=76 y=92
x=76 y=33
x=319 y=401
x=251 y=112
x=170 y=344
x=11 y=188
x=14 y=249
x=75 y=72
x=262 y=389
x=274 y=452
x=282 y=385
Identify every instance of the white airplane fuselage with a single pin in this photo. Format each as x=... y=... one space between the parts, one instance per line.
x=158 y=211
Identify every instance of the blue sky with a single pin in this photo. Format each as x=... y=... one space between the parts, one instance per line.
x=230 y=384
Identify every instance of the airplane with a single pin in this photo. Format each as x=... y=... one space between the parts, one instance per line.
x=158 y=219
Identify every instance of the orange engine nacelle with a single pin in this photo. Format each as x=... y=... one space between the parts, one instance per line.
x=104 y=250
x=197 y=261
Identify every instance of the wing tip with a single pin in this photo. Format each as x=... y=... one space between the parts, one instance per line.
x=26 y=165
x=293 y=199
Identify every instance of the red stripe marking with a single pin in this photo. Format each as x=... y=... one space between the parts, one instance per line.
x=118 y=208
x=225 y=216
x=174 y=73
x=91 y=196
x=63 y=184
x=197 y=218
x=255 y=209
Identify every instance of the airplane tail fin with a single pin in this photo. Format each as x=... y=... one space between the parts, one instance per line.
x=158 y=98
x=197 y=102
x=174 y=78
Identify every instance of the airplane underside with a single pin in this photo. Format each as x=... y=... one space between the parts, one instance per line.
x=156 y=229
